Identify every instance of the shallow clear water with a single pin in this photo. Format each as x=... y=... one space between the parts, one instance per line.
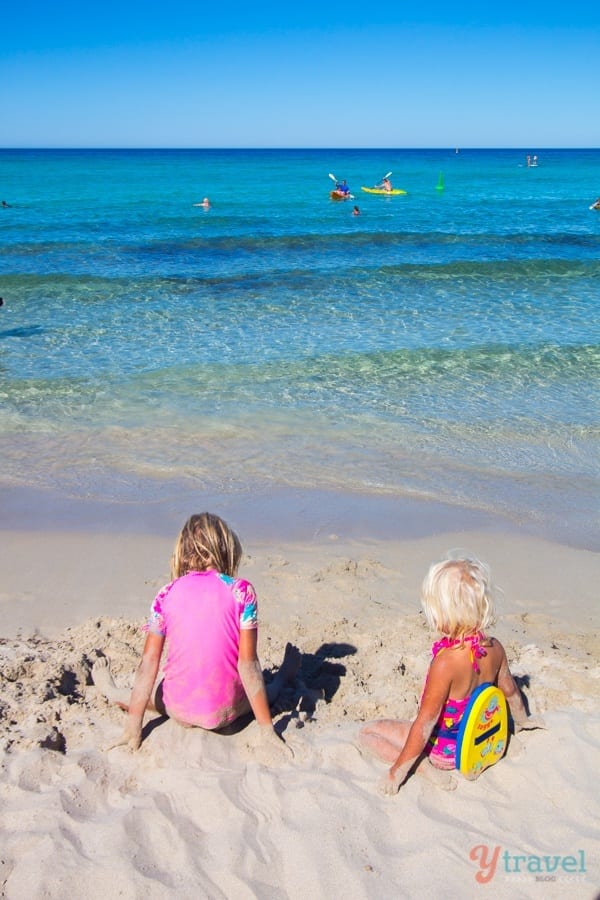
x=443 y=344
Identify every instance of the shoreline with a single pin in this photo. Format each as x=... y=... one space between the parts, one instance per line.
x=111 y=558
x=276 y=513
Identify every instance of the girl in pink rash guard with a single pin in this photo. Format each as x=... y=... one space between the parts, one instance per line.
x=208 y=617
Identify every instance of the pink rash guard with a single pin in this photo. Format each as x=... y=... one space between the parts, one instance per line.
x=201 y=615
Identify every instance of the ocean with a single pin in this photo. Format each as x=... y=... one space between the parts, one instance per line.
x=279 y=354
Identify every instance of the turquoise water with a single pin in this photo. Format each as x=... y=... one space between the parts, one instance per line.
x=441 y=345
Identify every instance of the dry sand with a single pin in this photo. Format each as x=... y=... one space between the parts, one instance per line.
x=195 y=814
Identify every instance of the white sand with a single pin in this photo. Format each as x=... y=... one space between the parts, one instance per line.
x=195 y=814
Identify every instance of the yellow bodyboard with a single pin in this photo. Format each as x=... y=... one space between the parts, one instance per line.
x=483 y=731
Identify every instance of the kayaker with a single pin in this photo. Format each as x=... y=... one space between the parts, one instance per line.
x=342 y=187
x=386 y=185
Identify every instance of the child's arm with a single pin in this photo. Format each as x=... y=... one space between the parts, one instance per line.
x=251 y=676
x=437 y=689
x=510 y=689
x=145 y=678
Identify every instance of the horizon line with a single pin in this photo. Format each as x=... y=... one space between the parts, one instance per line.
x=455 y=149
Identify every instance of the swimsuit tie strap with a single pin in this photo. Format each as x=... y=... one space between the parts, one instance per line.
x=476 y=650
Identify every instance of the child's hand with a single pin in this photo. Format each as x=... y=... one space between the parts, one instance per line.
x=270 y=740
x=390 y=784
x=530 y=723
x=131 y=738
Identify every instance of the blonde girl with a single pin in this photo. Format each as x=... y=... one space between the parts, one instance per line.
x=458 y=604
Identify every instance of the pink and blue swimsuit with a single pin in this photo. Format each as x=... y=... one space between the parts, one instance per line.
x=442 y=743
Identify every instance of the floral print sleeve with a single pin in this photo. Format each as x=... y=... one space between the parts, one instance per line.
x=156 y=621
x=245 y=595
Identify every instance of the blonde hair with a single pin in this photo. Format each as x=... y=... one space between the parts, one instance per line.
x=457 y=597
x=206 y=542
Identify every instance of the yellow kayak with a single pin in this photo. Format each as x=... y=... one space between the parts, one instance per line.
x=393 y=192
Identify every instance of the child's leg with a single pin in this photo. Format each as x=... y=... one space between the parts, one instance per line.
x=384 y=738
x=102 y=678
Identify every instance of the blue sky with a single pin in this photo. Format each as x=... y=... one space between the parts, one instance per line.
x=299 y=75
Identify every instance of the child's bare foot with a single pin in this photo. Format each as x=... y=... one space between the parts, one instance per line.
x=440 y=777
x=102 y=678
